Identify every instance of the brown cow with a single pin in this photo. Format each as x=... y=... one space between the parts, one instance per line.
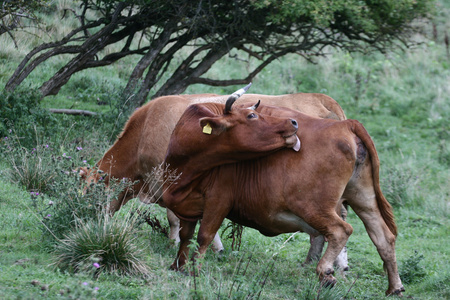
x=286 y=191
x=142 y=145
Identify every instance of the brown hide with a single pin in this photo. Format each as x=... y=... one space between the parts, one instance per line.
x=143 y=143
x=287 y=191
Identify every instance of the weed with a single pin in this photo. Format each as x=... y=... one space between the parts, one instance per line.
x=411 y=270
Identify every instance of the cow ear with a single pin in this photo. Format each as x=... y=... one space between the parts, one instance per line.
x=213 y=125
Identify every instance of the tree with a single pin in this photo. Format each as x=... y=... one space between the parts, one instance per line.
x=158 y=30
x=13 y=12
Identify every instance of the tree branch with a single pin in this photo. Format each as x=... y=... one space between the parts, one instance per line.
x=73 y=112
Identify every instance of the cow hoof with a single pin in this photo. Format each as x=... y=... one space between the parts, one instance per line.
x=328 y=281
x=181 y=271
x=397 y=292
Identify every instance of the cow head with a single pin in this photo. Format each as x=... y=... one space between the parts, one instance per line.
x=228 y=133
x=246 y=129
x=90 y=176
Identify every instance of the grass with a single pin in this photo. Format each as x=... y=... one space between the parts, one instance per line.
x=401 y=98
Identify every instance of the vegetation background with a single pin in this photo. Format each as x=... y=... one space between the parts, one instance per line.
x=402 y=98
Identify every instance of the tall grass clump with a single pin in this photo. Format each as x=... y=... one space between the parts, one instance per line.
x=103 y=244
x=30 y=168
x=312 y=289
x=397 y=186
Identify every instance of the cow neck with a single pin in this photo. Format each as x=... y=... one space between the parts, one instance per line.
x=192 y=170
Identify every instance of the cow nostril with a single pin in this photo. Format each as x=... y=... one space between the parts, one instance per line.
x=294 y=122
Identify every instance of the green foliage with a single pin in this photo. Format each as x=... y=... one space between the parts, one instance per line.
x=401 y=98
x=20 y=110
x=368 y=16
x=411 y=270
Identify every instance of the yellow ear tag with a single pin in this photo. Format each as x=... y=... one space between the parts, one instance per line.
x=207 y=129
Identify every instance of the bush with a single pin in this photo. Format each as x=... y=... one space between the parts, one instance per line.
x=103 y=244
x=21 y=110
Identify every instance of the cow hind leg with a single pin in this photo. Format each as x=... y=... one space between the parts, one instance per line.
x=217 y=245
x=363 y=201
x=174 y=224
x=174 y=236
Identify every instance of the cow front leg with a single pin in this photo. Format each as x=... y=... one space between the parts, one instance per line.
x=212 y=219
x=187 y=230
x=317 y=243
x=337 y=235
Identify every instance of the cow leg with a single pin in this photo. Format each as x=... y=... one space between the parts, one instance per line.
x=209 y=227
x=341 y=261
x=336 y=232
x=315 y=249
x=383 y=239
x=186 y=233
x=217 y=245
x=317 y=244
x=174 y=224
x=362 y=198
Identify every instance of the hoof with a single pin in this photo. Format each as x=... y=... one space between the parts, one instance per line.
x=175 y=268
x=397 y=292
x=328 y=281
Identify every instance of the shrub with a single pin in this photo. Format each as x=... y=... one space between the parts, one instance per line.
x=107 y=244
x=20 y=110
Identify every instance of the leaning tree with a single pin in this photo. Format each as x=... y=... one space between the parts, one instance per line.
x=190 y=36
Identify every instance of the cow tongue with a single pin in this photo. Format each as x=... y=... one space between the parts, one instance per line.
x=297 y=144
x=293 y=142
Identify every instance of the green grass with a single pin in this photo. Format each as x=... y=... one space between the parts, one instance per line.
x=403 y=99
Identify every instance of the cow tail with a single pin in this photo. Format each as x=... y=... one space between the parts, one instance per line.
x=383 y=205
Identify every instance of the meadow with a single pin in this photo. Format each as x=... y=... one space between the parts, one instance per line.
x=401 y=97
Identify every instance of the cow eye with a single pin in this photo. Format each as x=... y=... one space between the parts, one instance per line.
x=252 y=116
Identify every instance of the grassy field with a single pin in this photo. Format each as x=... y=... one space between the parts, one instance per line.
x=402 y=98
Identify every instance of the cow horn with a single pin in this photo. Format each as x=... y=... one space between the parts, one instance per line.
x=254 y=107
x=234 y=97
